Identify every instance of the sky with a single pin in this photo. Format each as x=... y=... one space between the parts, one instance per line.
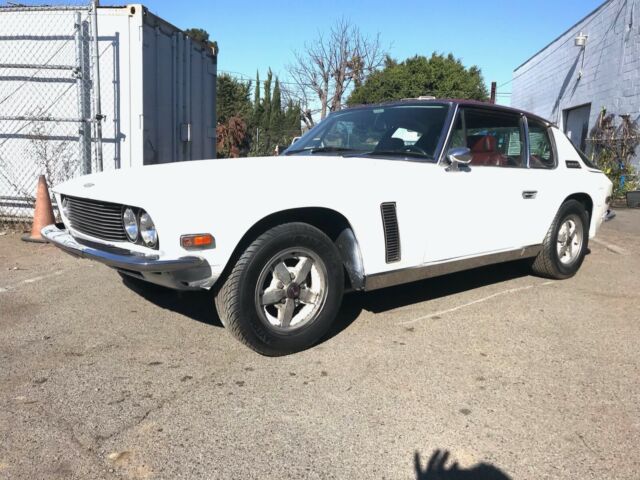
x=495 y=35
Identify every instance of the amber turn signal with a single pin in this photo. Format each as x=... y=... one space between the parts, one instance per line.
x=198 y=241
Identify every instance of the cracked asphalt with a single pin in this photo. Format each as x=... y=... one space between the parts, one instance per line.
x=512 y=375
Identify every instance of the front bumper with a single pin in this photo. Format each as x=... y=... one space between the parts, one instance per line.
x=183 y=273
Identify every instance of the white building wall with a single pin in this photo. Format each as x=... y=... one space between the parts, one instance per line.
x=606 y=73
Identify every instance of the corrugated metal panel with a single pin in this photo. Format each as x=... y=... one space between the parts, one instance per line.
x=154 y=82
x=179 y=95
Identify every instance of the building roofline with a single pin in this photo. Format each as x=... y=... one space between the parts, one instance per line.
x=593 y=12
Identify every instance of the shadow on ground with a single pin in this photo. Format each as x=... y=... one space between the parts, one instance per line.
x=436 y=469
x=199 y=305
x=386 y=299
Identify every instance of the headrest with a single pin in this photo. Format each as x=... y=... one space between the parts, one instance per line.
x=482 y=143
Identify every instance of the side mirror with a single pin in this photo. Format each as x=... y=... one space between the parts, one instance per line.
x=459 y=156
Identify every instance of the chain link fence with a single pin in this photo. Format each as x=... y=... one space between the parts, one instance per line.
x=49 y=123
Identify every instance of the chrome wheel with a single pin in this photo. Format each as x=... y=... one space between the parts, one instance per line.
x=570 y=237
x=291 y=289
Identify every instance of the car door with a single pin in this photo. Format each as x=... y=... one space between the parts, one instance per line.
x=545 y=178
x=481 y=206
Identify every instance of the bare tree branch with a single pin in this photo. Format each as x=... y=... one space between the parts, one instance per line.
x=326 y=69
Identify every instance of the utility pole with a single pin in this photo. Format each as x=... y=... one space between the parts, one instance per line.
x=493 y=92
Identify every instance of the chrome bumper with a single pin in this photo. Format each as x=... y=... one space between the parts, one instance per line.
x=118 y=258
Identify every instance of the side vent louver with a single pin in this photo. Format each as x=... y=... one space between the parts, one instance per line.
x=573 y=164
x=391 y=231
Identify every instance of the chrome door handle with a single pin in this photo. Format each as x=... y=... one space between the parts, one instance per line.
x=529 y=194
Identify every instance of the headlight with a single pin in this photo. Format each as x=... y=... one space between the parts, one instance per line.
x=130 y=224
x=148 y=230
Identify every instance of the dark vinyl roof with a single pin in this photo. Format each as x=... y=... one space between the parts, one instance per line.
x=453 y=101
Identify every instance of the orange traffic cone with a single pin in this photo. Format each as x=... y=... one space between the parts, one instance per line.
x=43 y=215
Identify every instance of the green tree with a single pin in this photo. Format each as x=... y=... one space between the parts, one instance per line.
x=266 y=101
x=275 y=120
x=439 y=75
x=199 y=34
x=256 y=93
x=202 y=36
x=233 y=98
x=234 y=111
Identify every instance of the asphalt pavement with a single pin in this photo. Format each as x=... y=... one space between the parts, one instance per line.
x=510 y=375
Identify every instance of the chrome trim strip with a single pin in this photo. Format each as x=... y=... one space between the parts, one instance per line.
x=129 y=261
x=406 y=275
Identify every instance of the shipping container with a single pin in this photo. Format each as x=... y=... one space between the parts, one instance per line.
x=157 y=95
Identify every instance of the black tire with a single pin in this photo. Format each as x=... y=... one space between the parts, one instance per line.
x=547 y=263
x=237 y=302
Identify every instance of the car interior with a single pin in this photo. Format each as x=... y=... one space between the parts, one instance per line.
x=494 y=138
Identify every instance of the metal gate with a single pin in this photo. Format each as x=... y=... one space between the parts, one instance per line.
x=50 y=120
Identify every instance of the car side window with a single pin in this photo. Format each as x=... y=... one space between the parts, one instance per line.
x=495 y=138
x=540 y=147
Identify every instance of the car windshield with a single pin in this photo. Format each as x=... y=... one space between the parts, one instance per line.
x=409 y=131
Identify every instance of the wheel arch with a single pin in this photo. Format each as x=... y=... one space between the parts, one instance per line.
x=331 y=222
x=585 y=199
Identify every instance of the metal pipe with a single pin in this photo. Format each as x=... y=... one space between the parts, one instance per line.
x=38 y=66
x=96 y=86
x=25 y=8
x=31 y=118
x=117 y=154
x=84 y=129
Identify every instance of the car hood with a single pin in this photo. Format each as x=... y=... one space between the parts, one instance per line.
x=228 y=178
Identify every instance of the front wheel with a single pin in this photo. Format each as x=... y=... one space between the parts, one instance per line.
x=284 y=291
x=565 y=244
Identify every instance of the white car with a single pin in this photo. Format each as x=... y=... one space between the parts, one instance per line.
x=371 y=197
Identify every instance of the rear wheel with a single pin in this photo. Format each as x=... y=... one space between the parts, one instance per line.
x=284 y=291
x=565 y=244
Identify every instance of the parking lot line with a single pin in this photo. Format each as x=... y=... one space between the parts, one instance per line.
x=610 y=246
x=28 y=281
x=479 y=300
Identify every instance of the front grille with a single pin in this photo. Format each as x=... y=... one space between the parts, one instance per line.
x=98 y=219
x=391 y=232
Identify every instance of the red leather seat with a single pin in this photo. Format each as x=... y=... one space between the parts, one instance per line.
x=484 y=150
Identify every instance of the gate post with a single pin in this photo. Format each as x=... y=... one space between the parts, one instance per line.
x=84 y=96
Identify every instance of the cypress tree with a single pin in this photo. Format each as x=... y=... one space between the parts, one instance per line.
x=275 y=122
x=266 y=144
x=256 y=93
x=266 y=102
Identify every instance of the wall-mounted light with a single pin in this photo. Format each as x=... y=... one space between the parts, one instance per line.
x=580 y=40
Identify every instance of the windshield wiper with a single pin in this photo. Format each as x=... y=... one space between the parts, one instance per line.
x=394 y=153
x=320 y=150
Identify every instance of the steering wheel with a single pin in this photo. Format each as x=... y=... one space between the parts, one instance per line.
x=415 y=148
